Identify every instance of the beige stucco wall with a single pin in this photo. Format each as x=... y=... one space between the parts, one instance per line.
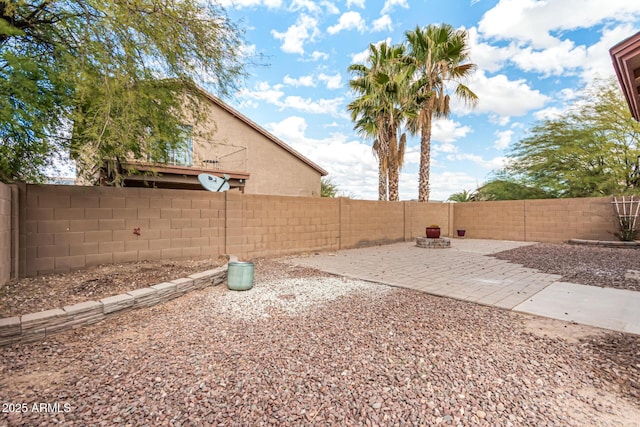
x=273 y=170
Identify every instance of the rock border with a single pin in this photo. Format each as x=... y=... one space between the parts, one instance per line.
x=37 y=326
x=606 y=243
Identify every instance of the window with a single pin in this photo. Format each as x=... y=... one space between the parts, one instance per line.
x=182 y=154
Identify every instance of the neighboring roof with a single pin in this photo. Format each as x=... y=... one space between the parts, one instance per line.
x=626 y=62
x=260 y=130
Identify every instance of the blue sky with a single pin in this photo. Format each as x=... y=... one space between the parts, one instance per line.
x=532 y=57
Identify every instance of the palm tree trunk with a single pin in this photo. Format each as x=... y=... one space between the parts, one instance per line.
x=425 y=158
x=393 y=166
x=382 y=179
x=393 y=184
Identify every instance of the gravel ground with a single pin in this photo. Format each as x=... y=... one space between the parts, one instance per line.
x=33 y=294
x=307 y=348
x=587 y=265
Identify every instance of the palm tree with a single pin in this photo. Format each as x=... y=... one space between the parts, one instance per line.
x=439 y=54
x=378 y=111
x=463 y=196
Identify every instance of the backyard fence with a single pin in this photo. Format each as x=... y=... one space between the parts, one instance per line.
x=57 y=228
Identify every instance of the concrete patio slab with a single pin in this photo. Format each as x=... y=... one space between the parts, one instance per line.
x=467 y=272
x=614 y=309
x=464 y=271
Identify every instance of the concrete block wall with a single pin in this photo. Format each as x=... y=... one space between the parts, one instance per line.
x=70 y=227
x=418 y=216
x=277 y=225
x=590 y=218
x=503 y=220
x=366 y=223
x=547 y=220
x=5 y=233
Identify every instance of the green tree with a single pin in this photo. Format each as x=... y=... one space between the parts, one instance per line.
x=462 y=196
x=85 y=73
x=380 y=110
x=503 y=189
x=440 y=54
x=328 y=188
x=591 y=150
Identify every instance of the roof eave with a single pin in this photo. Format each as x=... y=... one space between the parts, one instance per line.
x=626 y=63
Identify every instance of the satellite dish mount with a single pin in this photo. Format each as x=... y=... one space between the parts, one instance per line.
x=214 y=183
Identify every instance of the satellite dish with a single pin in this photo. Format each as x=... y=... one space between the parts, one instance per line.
x=214 y=183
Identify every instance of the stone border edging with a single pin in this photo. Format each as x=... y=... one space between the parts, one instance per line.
x=606 y=243
x=36 y=326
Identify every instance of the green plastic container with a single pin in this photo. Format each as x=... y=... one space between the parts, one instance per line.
x=240 y=276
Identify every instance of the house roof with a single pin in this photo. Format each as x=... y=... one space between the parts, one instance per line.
x=626 y=62
x=217 y=101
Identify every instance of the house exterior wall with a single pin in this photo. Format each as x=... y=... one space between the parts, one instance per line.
x=273 y=169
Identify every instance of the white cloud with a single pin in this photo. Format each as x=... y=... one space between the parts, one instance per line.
x=503 y=140
x=330 y=7
x=537 y=42
x=239 y=4
x=315 y=106
x=305 y=81
x=533 y=21
x=499 y=120
x=598 y=61
x=487 y=56
x=550 y=113
x=333 y=82
x=318 y=56
x=447 y=130
x=445 y=147
x=348 y=21
x=263 y=92
x=357 y=3
x=293 y=40
x=309 y=5
x=274 y=96
x=491 y=164
x=501 y=96
x=389 y=5
x=442 y=185
x=554 y=60
x=568 y=94
x=382 y=24
x=351 y=164
x=361 y=57
x=412 y=155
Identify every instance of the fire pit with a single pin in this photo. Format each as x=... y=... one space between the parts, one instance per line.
x=439 y=243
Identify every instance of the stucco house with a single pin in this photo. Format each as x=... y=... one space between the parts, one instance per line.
x=256 y=161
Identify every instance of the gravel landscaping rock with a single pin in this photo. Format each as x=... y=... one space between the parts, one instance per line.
x=33 y=294
x=586 y=265
x=306 y=348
